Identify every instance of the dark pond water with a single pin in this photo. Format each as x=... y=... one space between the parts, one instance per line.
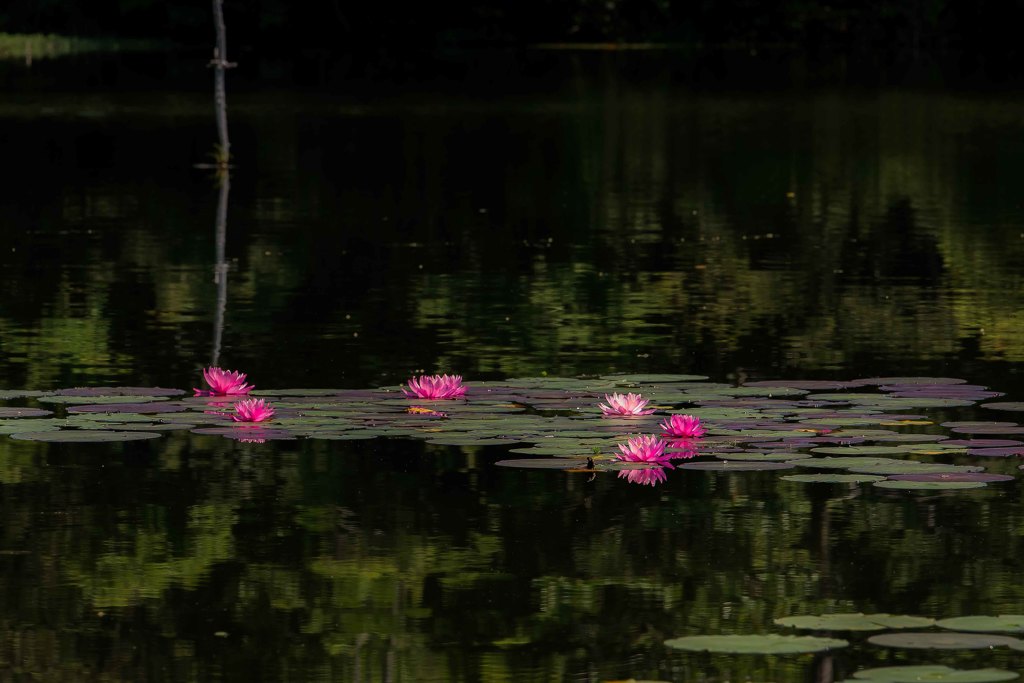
x=600 y=223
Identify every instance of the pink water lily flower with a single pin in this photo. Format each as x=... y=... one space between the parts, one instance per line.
x=682 y=427
x=435 y=387
x=224 y=383
x=252 y=410
x=644 y=449
x=650 y=477
x=628 y=405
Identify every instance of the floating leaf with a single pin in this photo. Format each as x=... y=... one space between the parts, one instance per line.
x=984 y=443
x=914 y=467
x=833 y=478
x=98 y=400
x=653 y=379
x=928 y=485
x=7 y=394
x=937 y=381
x=115 y=407
x=931 y=672
x=854 y=621
x=762 y=457
x=83 y=436
x=1009 y=406
x=997 y=452
x=860 y=450
x=844 y=463
x=23 y=412
x=763 y=644
x=952 y=476
x=1006 y=623
x=988 y=430
x=134 y=392
x=733 y=466
x=942 y=641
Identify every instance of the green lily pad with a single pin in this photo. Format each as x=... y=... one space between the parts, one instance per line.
x=843 y=463
x=99 y=400
x=83 y=436
x=653 y=378
x=833 y=478
x=854 y=621
x=1006 y=623
x=1010 y=406
x=933 y=672
x=762 y=457
x=847 y=421
x=763 y=644
x=859 y=450
x=6 y=394
x=733 y=466
x=929 y=485
x=6 y=412
x=943 y=641
x=914 y=467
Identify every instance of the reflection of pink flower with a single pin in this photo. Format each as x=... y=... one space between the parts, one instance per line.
x=253 y=440
x=224 y=383
x=682 y=427
x=681 y=449
x=644 y=449
x=625 y=404
x=252 y=410
x=651 y=477
x=435 y=387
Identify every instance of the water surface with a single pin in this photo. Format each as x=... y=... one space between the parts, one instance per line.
x=601 y=223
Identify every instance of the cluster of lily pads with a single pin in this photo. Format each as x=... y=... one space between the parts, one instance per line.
x=857 y=431
x=958 y=633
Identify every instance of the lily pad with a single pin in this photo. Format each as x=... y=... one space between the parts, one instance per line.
x=1009 y=406
x=929 y=485
x=762 y=457
x=6 y=394
x=860 y=450
x=984 y=443
x=997 y=452
x=952 y=476
x=844 y=463
x=914 y=467
x=6 y=412
x=933 y=672
x=854 y=621
x=121 y=407
x=653 y=378
x=83 y=436
x=833 y=478
x=119 y=391
x=942 y=641
x=761 y=644
x=937 y=381
x=1004 y=623
x=98 y=399
x=733 y=466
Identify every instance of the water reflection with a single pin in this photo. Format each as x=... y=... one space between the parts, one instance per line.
x=607 y=227
x=650 y=477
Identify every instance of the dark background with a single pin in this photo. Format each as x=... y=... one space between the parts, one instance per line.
x=330 y=39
